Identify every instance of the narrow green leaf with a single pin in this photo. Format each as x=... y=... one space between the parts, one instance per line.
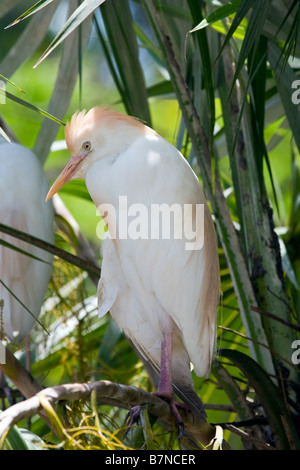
x=226 y=10
x=285 y=77
x=110 y=62
x=147 y=429
x=79 y=15
x=30 y=106
x=119 y=25
x=257 y=61
x=53 y=418
x=253 y=33
x=289 y=47
x=23 y=252
x=269 y=396
x=23 y=305
x=239 y=16
x=28 y=41
x=161 y=88
x=232 y=390
x=70 y=258
x=149 y=45
x=12 y=83
x=38 y=6
x=64 y=85
x=207 y=73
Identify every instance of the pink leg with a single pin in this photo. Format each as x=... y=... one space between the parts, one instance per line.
x=165 y=389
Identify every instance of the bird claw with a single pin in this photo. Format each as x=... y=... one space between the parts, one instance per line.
x=180 y=427
x=132 y=417
x=175 y=406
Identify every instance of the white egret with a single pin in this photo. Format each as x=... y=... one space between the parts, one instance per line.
x=22 y=187
x=161 y=286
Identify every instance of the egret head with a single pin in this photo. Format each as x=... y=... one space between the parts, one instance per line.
x=93 y=135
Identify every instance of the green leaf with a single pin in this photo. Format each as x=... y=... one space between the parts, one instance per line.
x=28 y=40
x=126 y=67
x=79 y=15
x=149 y=45
x=12 y=97
x=239 y=16
x=22 y=439
x=206 y=71
x=257 y=61
x=15 y=441
x=23 y=305
x=218 y=15
x=253 y=33
x=160 y=89
x=38 y=6
x=270 y=398
x=12 y=83
x=232 y=390
x=69 y=65
x=147 y=429
x=76 y=188
x=70 y=258
x=23 y=252
x=285 y=77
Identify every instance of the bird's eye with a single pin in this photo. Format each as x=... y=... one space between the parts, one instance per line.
x=86 y=146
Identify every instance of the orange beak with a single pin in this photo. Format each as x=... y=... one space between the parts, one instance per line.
x=65 y=176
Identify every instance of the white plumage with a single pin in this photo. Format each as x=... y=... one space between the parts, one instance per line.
x=155 y=289
x=23 y=186
x=160 y=276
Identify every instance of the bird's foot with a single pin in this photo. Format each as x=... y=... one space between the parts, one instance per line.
x=175 y=406
x=132 y=417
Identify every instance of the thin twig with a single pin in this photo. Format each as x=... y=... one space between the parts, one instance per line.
x=244 y=435
x=274 y=353
x=274 y=317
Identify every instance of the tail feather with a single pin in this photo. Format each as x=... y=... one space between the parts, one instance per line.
x=192 y=400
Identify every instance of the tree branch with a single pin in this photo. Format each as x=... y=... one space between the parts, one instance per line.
x=124 y=396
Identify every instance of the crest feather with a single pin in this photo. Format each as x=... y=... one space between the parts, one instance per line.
x=84 y=120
